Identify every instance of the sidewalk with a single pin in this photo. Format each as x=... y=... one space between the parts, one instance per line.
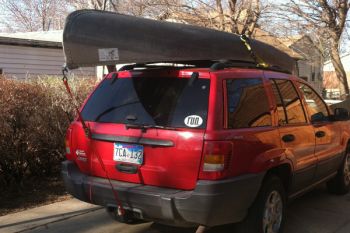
x=40 y=216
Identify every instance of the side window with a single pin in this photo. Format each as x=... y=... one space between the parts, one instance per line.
x=289 y=107
x=282 y=120
x=247 y=103
x=316 y=108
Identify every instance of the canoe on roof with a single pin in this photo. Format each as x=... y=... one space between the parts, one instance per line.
x=94 y=37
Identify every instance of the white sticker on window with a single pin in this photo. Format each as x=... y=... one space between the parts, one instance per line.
x=193 y=121
x=108 y=54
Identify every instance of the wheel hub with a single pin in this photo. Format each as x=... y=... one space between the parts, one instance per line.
x=273 y=213
x=347 y=169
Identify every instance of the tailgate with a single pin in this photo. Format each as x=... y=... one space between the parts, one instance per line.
x=171 y=158
x=148 y=130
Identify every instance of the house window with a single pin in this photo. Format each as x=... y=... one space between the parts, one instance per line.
x=313 y=76
x=304 y=78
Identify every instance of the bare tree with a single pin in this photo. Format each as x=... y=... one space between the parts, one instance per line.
x=237 y=16
x=246 y=14
x=145 y=8
x=34 y=15
x=109 y=5
x=326 y=22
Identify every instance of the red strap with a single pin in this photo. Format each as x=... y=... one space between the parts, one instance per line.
x=120 y=206
x=86 y=128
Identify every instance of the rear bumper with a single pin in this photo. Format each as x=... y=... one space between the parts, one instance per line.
x=210 y=203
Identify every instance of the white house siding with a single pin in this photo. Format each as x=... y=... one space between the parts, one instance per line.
x=27 y=62
x=331 y=82
x=311 y=73
x=328 y=66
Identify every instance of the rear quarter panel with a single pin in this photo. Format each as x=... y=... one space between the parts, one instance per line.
x=256 y=149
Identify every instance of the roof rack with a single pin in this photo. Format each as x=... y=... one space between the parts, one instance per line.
x=213 y=65
x=243 y=64
x=169 y=64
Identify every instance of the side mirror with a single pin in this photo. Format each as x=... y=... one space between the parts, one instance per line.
x=341 y=114
x=317 y=117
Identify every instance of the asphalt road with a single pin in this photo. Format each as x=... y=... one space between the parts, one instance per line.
x=317 y=212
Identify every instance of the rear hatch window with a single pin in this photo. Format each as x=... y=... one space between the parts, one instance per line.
x=152 y=101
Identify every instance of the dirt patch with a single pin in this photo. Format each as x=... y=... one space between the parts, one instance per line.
x=32 y=194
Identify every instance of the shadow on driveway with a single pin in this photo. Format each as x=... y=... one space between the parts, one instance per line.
x=316 y=212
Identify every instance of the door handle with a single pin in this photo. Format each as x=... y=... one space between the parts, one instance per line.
x=320 y=134
x=288 y=138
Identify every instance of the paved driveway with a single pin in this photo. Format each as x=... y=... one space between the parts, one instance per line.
x=317 y=212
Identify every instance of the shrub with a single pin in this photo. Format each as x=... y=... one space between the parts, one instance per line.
x=33 y=118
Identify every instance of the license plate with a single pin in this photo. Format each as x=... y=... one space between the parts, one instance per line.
x=128 y=153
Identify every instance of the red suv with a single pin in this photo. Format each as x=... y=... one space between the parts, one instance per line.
x=205 y=146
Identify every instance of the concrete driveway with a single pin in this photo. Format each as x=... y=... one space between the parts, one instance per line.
x=317 y=212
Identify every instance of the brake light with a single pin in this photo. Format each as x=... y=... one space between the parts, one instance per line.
x=67 y=141
x=216 y=160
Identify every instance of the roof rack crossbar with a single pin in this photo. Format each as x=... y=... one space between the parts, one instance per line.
x=243 y=64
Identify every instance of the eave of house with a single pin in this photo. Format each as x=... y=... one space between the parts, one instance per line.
x=47 y=39
x=30 y=43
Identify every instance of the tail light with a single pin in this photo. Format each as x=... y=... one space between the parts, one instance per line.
x=68 y=148
x=216 y=160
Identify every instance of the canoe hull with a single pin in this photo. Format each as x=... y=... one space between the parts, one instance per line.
x=93 y=38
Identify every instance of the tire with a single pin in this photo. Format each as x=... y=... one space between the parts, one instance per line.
x=271 y=193
x=340 y=184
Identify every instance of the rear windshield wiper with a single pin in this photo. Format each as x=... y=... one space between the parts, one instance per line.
x=145 y=127
x=114 y=108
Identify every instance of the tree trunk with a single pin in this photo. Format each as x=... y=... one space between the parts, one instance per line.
x=220 y=11
x=339 y=71
x=233 y=20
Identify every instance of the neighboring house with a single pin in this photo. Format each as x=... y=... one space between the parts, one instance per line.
x=310 y=65
x=301 y=48
x=267 y=38
x=29 y=54
x=32 y=54
x=330 y=82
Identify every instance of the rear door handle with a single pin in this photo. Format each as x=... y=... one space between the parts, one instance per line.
x=288 y=138
x=320 y=134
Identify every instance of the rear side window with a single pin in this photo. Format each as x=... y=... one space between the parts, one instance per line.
x=316 y=107
x=282 y=115
x=168 y=102
x=247 y=103
x=289 y=107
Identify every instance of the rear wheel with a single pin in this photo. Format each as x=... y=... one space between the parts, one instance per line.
x=267 y=214
x=340 y=184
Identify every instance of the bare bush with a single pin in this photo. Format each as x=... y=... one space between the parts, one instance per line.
x=33 y=118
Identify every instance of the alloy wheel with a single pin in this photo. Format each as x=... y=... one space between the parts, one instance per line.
x=347 y=169
x=273 y=212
